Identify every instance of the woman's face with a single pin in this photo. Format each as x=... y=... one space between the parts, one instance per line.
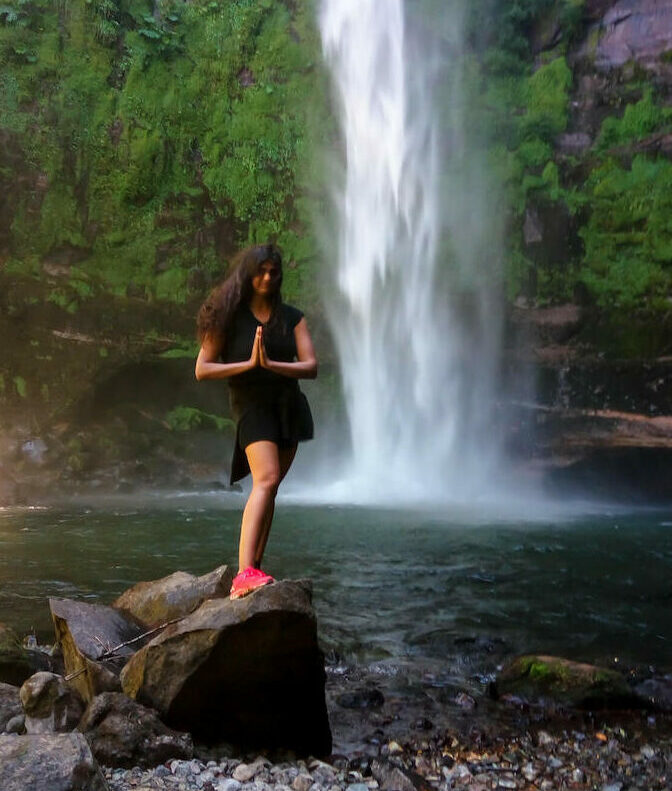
x=265 y=282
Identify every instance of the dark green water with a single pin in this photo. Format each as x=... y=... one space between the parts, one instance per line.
x=388 y=584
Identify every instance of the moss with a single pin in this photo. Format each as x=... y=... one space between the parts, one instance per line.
x=21 y=386
x=186 y=418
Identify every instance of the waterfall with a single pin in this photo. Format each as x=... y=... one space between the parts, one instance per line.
x=412 y=305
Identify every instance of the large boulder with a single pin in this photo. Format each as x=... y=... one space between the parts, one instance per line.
x=16 y=662
x=96 y=642
x=50 y=704
x=121 y=732
x=10 y=705
x=173 y=596
x=247 y=671
x=538 y=678
x=57 y=762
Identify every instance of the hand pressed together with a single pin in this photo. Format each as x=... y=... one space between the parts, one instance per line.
x=258 y=356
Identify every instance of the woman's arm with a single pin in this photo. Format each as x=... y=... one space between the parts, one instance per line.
x=207 y=366
x=306 y=365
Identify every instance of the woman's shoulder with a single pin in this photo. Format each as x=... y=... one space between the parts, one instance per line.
x=291 y=315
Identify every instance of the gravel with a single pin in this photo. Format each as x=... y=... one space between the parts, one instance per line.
x=604 y=758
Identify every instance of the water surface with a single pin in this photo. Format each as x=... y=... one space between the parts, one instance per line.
x=388 y=584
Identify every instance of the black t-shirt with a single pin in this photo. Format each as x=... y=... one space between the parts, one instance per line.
x=279 y=343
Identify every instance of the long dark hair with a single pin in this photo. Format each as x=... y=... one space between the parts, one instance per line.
x=215 y=314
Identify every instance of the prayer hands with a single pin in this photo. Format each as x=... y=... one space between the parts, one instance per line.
x=256 y=346
x=258 y=356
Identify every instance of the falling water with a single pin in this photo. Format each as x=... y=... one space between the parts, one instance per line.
x=412 y=311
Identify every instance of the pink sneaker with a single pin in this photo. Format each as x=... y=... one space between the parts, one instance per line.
x=248 y=580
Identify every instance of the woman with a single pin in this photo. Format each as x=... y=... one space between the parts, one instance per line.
x=262 y=346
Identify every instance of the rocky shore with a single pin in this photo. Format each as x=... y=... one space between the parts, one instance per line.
x=158 y=692
x=580 y=754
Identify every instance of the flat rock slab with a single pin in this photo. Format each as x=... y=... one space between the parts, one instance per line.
x=248 y=672
x=58 y=762
x=86 y=633
x=573 y=684
x=173 y=596
x=121 y=732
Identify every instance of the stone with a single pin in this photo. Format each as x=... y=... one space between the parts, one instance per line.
x=48 y=762
x=124 y=733
x=302 y=782
x=85 y=632
x=364 y=698
x=395 y=778
x=50 y=704
x=245 y=772
x=573 y=684
x=16 y=724
x=248 y=672
x=227 y=784
x=656 y=693
x=573 y=143
x=16 y=662
x=10 y=705
x=173 y=596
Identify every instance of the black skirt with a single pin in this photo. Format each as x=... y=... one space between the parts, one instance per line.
x=277 y=413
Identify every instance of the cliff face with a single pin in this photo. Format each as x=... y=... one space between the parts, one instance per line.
x=599 y=243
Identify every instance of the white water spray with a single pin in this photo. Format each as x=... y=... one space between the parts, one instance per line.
x=418 y=374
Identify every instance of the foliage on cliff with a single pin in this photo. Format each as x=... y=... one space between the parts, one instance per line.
x=144 y=142
x=608 y=193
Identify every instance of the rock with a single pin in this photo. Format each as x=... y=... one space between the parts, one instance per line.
x=54 y=762
x=85 y=632
x=248 y=672
x=656 y=693
x=50 y=704
x=465 y=700
x=574 y=684
x=121 y=732
x=634 y=30
x=173 y=596
x=16 y=662
x=395 y=778
x=10 y=704
x=364 y=698
x=573 y=143
x=244 y=772
x=302 y=782
x=16 y=724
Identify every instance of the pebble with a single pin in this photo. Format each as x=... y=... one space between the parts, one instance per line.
x=517 y=761
x=228 y=784
x=302 y=782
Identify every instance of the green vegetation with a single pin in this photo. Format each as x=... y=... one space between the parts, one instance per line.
x=186 y=418
x=628 y=237
x=152 y=140
x=144 y=142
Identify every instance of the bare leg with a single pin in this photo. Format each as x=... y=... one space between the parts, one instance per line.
x=286 y=457
x=264 y=460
